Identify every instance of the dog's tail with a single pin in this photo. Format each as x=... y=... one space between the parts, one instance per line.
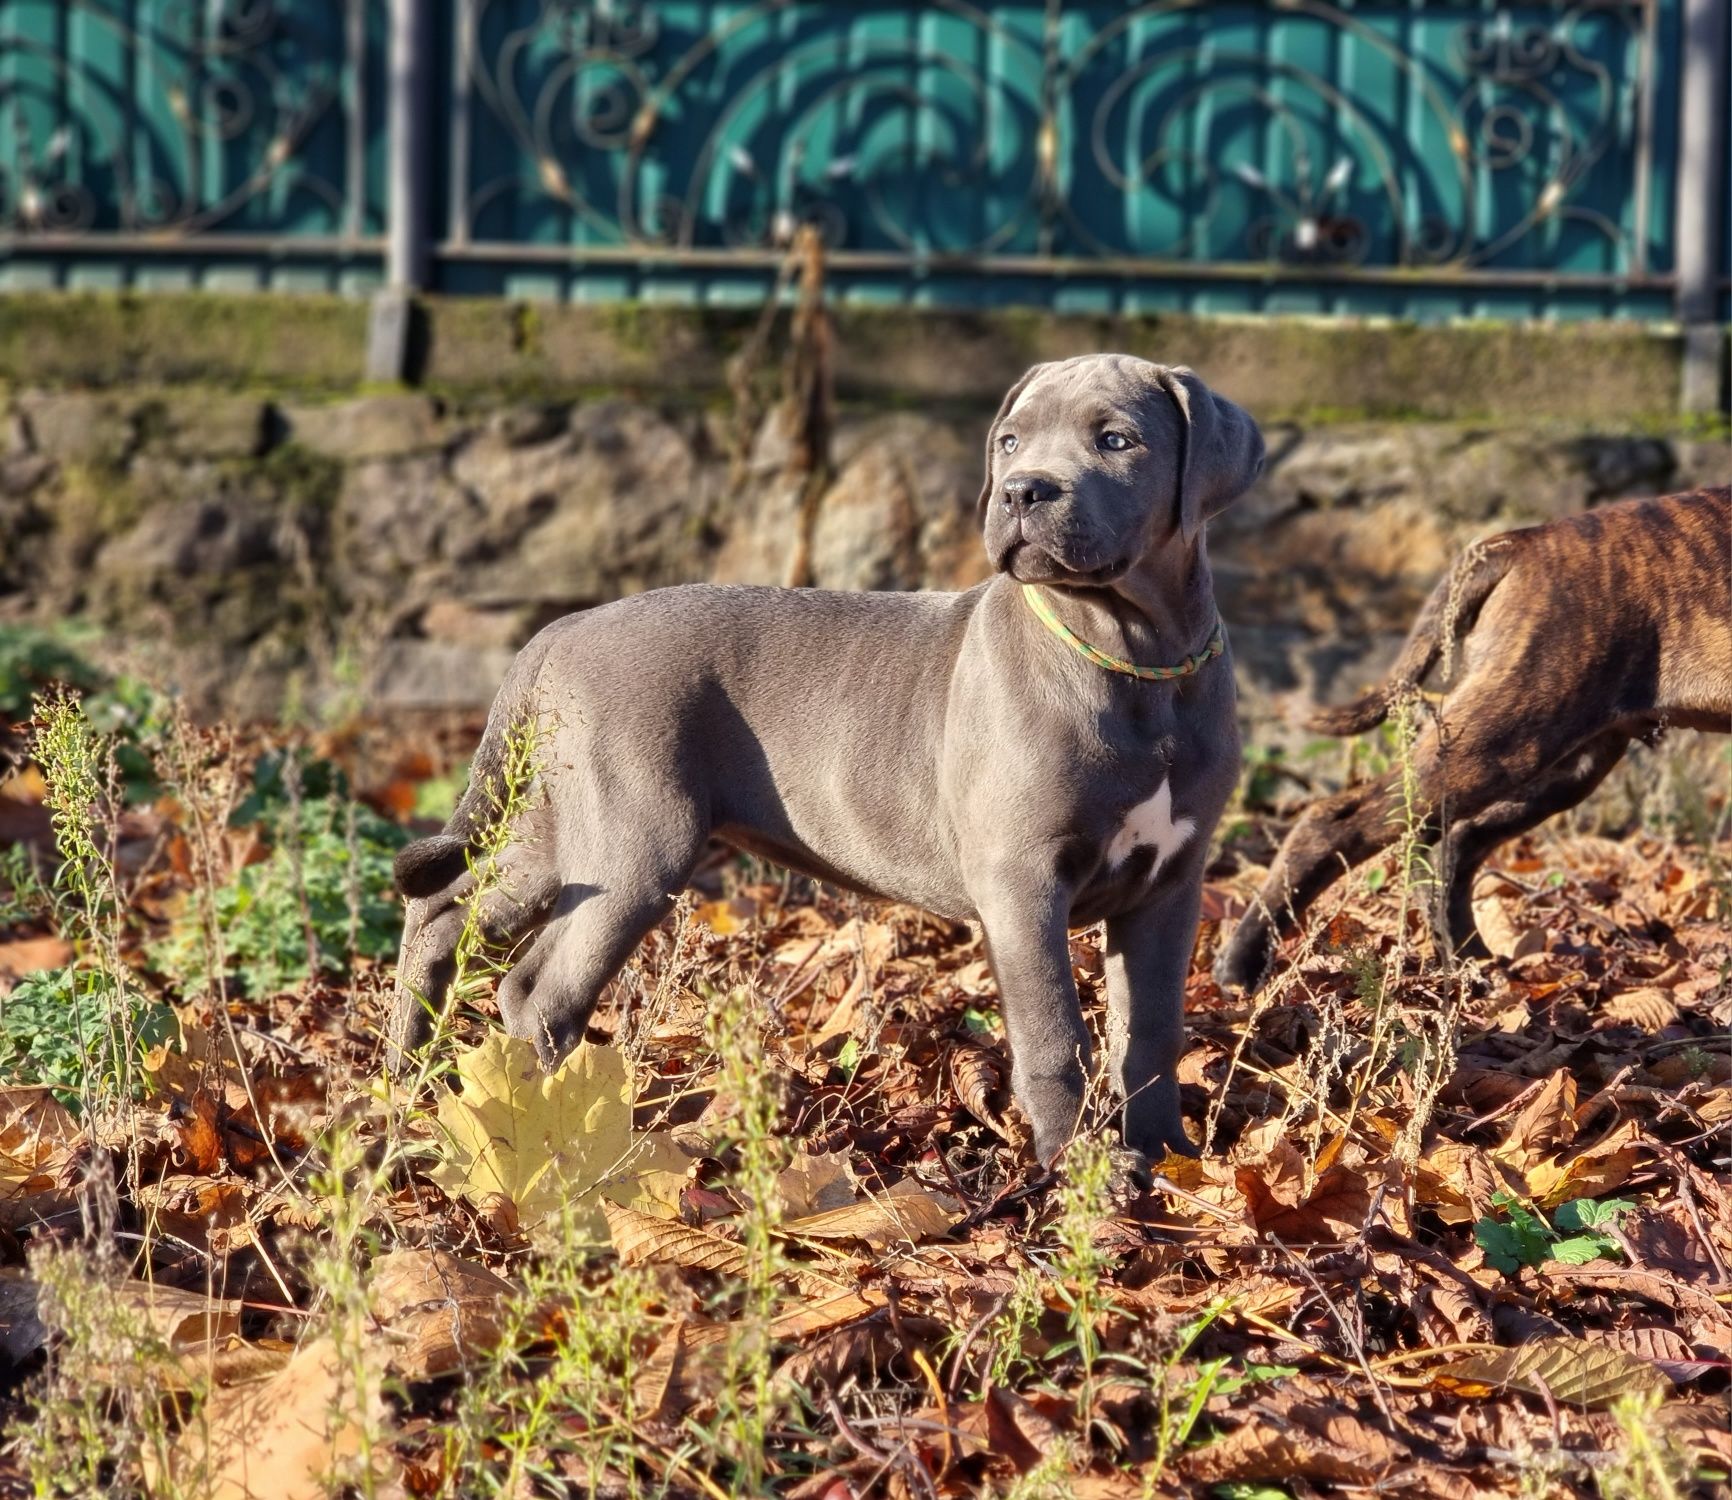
x=1443 y=620
x=427 y=866
x=430 y=865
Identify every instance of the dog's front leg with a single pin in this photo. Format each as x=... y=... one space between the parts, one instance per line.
x=1148 y=954
x=1028 y=943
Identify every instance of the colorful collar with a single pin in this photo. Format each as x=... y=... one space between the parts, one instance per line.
x=1043 y=612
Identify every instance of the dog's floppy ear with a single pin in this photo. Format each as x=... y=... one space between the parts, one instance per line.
x=1221 y=453
x=1004 y=407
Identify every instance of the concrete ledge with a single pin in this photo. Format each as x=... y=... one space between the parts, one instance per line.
x=1622 y=375
x=1606 y=375
x=98 y=339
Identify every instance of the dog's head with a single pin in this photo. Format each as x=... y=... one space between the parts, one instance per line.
x=1094 y=463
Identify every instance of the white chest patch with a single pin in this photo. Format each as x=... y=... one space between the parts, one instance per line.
x=1151 y=825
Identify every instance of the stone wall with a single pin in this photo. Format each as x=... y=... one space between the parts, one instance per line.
x=396 y=549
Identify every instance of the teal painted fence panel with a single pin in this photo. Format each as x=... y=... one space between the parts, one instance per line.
x=192 y=142
x=1421 y=158
x=1432 y=158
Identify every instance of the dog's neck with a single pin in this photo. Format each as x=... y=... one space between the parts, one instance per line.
x=1160 y=612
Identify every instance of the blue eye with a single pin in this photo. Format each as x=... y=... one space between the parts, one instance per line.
x=1114 y=442
x=1008 y=442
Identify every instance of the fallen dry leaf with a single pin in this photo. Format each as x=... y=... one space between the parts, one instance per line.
x=1664 y=1348
x=1018 y=1430
x=979 y=1077
x=659 y=1392
x=1645 y=1007
x=1543 y=1125
x=907 y=1213
x=1600 y=1170
x=1329 y=1445
x=725 y=918
x=842 y=1352
x=1335 y=1209
x=24 y=956
x=139 y=1320
x=439 y=1311
x=1497 y=912
x=814 y=1184
x=38 y=1135
x=1573 y=1371
x=281 y=1438
x=207 y=1212
x=642 y=1238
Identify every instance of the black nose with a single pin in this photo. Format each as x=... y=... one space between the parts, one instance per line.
x=1024 y=490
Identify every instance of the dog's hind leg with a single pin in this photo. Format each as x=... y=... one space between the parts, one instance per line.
x=523 y=898
x=1476 y=761
x=1469 y=840
x=426 y=965
x=1331 y=837
x=550 y=994
x=622 y=870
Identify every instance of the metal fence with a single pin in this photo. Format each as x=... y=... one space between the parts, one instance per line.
x=192 y=142
x=1421 y=158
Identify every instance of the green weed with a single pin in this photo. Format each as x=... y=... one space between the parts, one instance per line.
x=520 y=1414
x=1012 y=1327
x=23 y=895
x=321 y=898
x=747 y=1402
x=81 y=1436
x=1651 y=1465
x=33 y=660
x=1082 y=1265
x=437 y=797
x=57 y=1028
x=1181 y=1404
x=37 y=663
x=1053 y=1478
x=476 y=963
x=83 y=796
x=1523 y=1237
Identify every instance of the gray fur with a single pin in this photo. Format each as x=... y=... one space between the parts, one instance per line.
x=940 y=749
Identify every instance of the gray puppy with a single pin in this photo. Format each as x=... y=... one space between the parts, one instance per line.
x=1047 y=750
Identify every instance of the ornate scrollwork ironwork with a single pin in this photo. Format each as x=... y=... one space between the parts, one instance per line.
x=201 y=116
x=945 y=129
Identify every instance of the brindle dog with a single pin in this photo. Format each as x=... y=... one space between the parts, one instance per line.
x=1577 y=637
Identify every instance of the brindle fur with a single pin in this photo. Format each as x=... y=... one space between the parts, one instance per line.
x=1579 y=636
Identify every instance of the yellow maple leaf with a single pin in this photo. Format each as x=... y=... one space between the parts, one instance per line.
x=545 y=1140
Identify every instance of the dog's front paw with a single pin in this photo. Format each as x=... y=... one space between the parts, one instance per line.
x=1131 y=1176
x=1054 y=1108
x=1248 y=957
x=1155 y=1145
x=1049 y=1146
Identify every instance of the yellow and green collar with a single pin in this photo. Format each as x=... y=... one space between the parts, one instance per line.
x=1191 y=664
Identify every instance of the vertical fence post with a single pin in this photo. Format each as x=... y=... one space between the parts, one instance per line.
x=409 y=121
x=1703 y=167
